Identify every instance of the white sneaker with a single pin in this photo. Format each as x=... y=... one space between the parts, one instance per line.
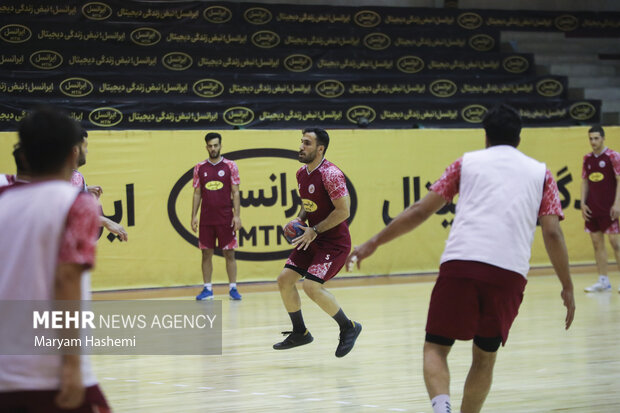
x=598 y=287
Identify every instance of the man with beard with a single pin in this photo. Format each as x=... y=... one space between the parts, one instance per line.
x=77 y=179
x=322 y=249
x=216 y=187
x=600 y=202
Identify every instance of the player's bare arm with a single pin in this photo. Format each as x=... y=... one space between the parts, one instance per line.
x=406 y=221
x=336 y=217
x=556 y=249
x=236 y=198
x=195 y=207
x=67 y=286
x=615 y=208
x=114 y=227
x=586 y=213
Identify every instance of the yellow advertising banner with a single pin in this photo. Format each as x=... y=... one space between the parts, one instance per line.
x=146 y=178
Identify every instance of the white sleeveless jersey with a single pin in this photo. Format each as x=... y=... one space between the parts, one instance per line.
x=500 y=194
x=33 y=218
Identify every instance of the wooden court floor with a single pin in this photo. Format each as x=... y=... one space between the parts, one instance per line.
x=542 y=368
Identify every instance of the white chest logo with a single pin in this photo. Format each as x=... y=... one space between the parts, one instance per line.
x=221 y=173
x=311 y=188
x=601 y=164
x=205 y=174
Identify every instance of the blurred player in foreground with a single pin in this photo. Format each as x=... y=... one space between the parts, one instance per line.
x=48 y=239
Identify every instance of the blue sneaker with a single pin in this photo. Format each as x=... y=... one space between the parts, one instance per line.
x=205 y=295
x=234 y=294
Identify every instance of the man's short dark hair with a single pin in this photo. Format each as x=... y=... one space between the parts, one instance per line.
x=47 y=137
x=597 y=128
x=213 y=135
x=322 y=137
x=502 y=125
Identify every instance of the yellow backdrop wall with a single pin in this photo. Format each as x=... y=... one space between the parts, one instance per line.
x=145 y=178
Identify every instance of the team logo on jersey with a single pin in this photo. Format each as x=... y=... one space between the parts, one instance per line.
x=601 y=164
x=596 y=177
x=309 y=206
x=221 y=173
x=214 y=185
x=205 y=175
x=311 y=188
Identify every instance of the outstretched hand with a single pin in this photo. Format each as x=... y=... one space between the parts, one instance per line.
x=359 y=253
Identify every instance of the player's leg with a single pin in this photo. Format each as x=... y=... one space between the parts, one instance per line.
x=480 y=377
x=207 y=274
x=436 y=372
x=321 y=296
x=500 y=293
x=453 y=314
x=228 y=239
x=325 y=265
x=612 y=233
x=292 y=302
x=206 y=243
x=600 y=256
x=207 y=265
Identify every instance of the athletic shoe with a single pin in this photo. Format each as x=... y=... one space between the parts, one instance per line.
x=205 y=295
x=347 y=339
x=598 y=287
x=234 y=294
x=294 y=340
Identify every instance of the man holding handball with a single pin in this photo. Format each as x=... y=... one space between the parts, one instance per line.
x=322 y=248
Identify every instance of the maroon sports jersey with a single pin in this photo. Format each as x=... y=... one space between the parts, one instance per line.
x=601 y=171
x=216 y=181
x=317 y=190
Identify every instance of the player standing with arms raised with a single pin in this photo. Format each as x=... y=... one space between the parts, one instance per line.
x=322 y=249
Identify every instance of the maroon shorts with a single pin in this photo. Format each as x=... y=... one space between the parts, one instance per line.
x=224 y=234
x=320 y=262
x=602 y=224
x=42 y=401
x=474 y=299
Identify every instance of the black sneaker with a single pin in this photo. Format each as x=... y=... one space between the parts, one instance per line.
x=294 y=340
x=347 y=339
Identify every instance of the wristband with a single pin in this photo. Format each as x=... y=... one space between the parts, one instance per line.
x=315 y=230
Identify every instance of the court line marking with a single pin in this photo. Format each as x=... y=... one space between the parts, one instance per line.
x=282 y=396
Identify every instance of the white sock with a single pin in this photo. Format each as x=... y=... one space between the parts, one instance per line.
x=441 y=404
x=603 y=279
x=208 y=286
x=233 y=285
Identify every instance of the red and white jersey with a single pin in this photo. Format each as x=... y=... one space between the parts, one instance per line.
x=43 y=224
x=6 y=179
x=215 y=182
x=601 y=171
x=317 y=189
x=501 y=194
x=77 y=179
